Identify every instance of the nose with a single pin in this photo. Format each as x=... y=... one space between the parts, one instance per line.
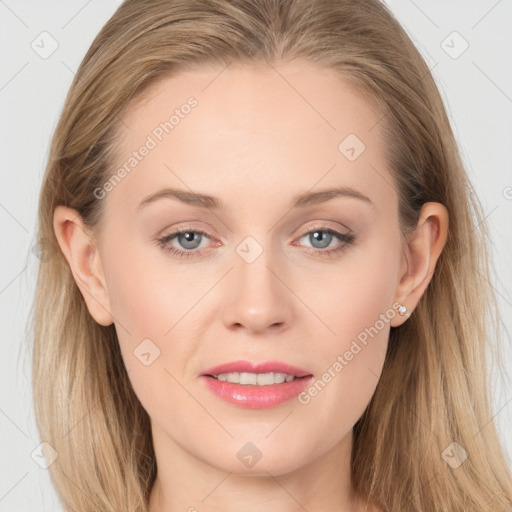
x=259 y=299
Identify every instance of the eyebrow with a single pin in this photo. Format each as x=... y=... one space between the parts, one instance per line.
x=206 y=201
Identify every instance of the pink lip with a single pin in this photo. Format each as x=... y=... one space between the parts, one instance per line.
x=264 y=367
x=256 y=397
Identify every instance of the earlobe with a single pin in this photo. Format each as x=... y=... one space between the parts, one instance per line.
x=77 y=245
x=423 y=250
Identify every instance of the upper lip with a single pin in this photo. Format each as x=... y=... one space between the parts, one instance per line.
x=263 y=367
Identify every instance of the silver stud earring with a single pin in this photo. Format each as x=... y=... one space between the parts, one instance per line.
x=402 y=310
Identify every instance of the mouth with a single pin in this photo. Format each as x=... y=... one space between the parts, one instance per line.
x=247 y=373
x=256 y=385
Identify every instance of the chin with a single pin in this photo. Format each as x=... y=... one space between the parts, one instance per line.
x=251 y=458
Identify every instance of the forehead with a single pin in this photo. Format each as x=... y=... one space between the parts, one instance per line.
x=255 y=127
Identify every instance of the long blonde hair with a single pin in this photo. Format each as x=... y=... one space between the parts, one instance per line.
x=433 y=389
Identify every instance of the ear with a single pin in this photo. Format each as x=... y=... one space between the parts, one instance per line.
x=77 y=244
x=424 y=246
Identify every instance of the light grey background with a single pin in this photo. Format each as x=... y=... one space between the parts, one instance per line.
x=476 y=86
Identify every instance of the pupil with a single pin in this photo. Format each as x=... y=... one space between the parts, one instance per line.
x=187 y=240
x=321 y=236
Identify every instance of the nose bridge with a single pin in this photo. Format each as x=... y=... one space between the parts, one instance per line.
x=259 y=299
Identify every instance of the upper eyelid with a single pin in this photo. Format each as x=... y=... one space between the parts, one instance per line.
x=306 y=230
x=303 y=232
x=319 y=225
x=325 y=227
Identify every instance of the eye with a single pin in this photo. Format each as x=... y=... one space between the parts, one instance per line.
x=322 y=238
x=188 y=239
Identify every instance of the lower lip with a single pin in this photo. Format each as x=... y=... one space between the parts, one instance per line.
x=256 y=397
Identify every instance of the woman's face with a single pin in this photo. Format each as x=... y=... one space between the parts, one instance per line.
x=271 y=270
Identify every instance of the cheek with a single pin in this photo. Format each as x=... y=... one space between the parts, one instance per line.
x=358 y=312
x=148 y=295
x=153 y=307
x=360 y=288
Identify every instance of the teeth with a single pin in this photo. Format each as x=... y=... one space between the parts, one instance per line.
x=255 y=379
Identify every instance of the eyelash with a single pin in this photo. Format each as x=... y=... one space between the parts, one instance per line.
x=347 y=238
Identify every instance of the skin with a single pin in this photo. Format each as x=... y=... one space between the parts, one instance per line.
x=257 y=137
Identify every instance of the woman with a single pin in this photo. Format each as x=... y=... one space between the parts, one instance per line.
x=267 y=289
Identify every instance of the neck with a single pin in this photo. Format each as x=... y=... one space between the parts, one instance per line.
x=187 y=483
